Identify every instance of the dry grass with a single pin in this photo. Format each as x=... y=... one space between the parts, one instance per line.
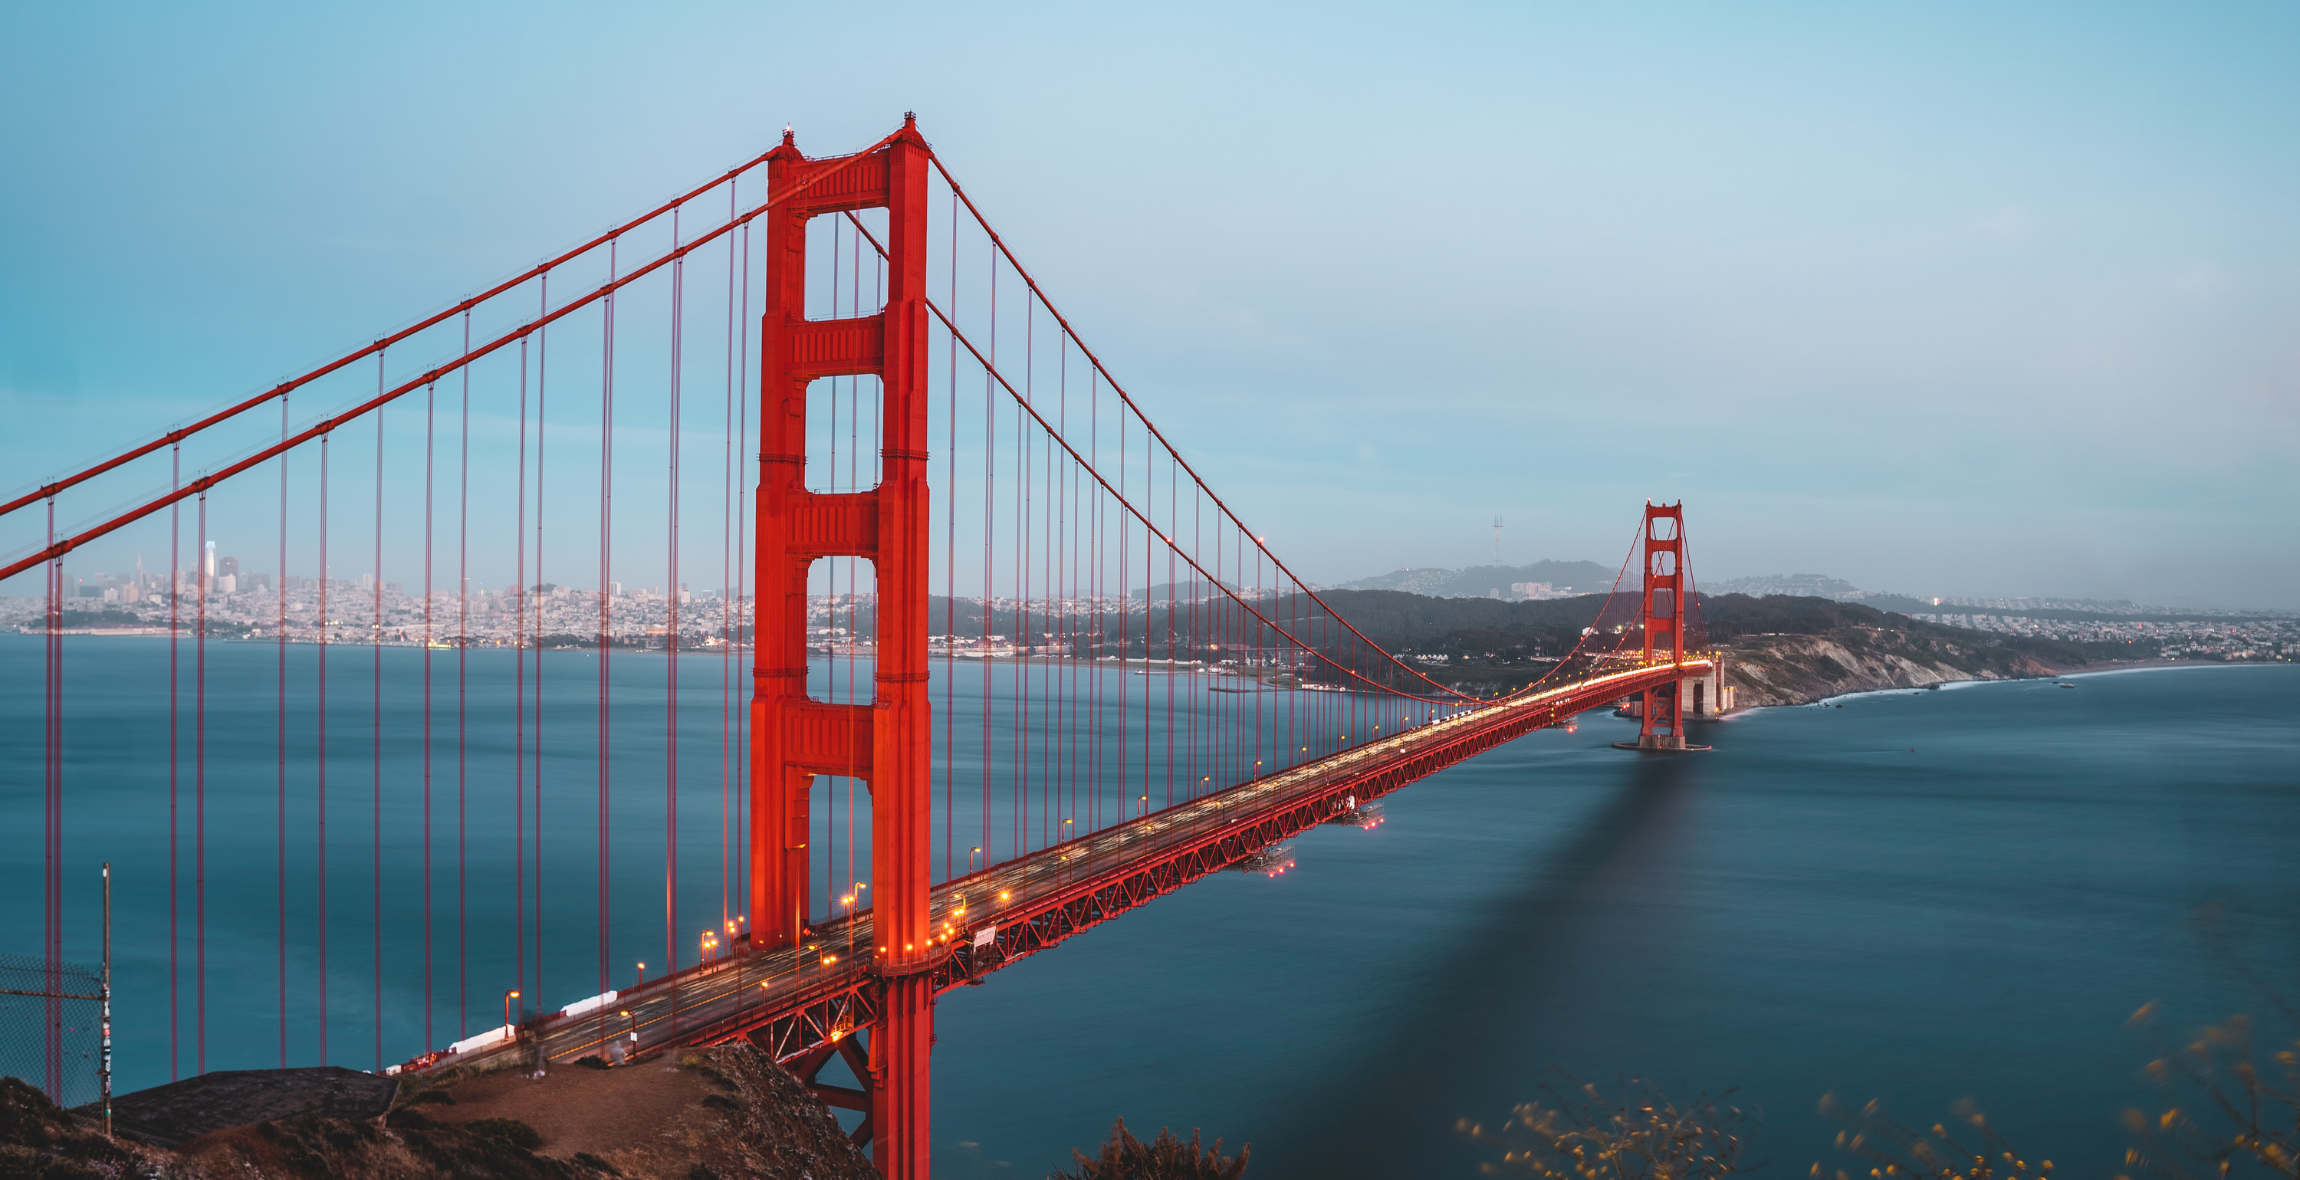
x=1639 y=1135
x=2242 y=1114
x=2230 y=1111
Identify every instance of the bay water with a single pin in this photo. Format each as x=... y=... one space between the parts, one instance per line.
x=1917 y=897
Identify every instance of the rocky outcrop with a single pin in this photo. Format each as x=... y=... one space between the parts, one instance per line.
x=181 y=1111
x=686 y=1114
x=1800 y=669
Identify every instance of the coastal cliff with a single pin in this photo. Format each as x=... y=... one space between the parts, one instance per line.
x=1779 y=649
x=1800 y=669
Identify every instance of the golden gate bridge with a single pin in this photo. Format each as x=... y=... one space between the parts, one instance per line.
x=948 y=486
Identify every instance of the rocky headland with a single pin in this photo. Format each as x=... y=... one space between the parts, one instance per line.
x=1779 y=649
x=681 y=1114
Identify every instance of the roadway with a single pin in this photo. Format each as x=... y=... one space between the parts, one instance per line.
x=743 y=990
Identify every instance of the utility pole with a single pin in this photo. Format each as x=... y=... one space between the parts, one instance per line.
x=106 y=991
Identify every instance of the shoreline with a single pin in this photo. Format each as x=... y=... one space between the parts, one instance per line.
x=2122 y=667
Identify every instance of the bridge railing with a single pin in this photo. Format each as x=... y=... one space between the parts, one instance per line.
x=441 y=677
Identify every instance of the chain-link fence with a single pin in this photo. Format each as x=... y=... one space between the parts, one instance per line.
x=50 y=1031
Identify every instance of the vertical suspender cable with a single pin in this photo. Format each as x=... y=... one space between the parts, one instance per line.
x=1094 y=595
x=671 y=636
x=175 y=607
x=320 y=827
x=1066 y=567
x=1149 y=555
x=950 y=587
x=200 y=805
x=375 y=743
x=742 y=568
x=522 y=633
x=606 y=559
x=542 y=399
x=1125 y=595
x=462 y=659
x=726 y=588
x=279 y=858
x=1021 y=682
x=430 y=415
x=989 y=598
x=51 y=833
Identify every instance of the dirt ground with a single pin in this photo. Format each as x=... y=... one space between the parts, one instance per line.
x=602 y=1112
x=675 y=1114
x=684 y=1114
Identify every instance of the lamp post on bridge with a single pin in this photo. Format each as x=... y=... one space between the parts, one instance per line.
x=887 y=741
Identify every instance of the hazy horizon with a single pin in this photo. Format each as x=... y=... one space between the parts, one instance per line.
x=1946 y=301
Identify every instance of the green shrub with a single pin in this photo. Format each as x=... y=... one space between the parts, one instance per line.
x=1126 y=1158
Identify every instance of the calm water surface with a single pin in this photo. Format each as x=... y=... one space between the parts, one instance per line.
x=1918 y=896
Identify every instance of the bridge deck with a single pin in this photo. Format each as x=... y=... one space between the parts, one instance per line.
x=798 y=999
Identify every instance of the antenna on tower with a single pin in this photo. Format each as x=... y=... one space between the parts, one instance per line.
x=1497 y=538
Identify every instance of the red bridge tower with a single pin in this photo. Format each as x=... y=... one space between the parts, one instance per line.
x=886 y=741
x=1661 y=725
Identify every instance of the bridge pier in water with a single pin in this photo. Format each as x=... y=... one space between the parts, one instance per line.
x=884 y=741
x=1662 y=709
x=1358 y=721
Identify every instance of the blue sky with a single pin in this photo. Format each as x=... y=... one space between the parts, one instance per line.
x=1946 y=299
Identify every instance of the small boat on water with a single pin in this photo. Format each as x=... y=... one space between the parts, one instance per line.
x=1270 y=861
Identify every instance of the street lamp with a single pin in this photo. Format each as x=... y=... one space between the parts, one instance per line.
x=971 y=853
x=508 y=996
x=641 y=977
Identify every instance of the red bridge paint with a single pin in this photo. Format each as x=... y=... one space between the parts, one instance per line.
x=885 y=742
x=1234 y=620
